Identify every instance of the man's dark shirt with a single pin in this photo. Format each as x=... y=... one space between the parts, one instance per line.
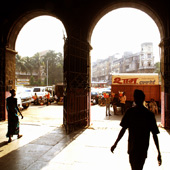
x=115 y=100
x=140 y=122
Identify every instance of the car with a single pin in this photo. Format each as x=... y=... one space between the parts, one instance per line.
x=94 y=97
x=41 y=93
x=19 y=102
x=25 y=95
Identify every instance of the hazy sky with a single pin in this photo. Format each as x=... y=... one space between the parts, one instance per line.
x=40 y=34
x=121 y=30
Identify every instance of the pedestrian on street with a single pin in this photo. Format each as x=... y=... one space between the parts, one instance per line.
x=123 y=103
x=140 y=122
x=35 y=97
x=13 y=120
x=153 y=106
x=115 y=103
x=108 y=100
x=48 y=97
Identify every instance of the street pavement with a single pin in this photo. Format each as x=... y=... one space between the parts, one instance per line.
x=46 y=146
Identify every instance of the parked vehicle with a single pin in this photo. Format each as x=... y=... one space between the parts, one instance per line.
x=94 y=97
x=51 y=91
x=25 y=95
x=39 y=95
x=40 y=91
x=19 y=102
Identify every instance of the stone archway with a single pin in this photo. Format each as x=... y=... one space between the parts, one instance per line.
x=142 y=7
x=10 y=52
x=17 y=26
x=76 y=73
x=79 y=21
x=156 y=18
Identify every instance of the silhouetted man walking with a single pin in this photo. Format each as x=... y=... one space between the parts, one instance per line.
x=140 y=122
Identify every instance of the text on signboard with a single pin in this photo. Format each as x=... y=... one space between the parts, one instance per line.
x=119 y=80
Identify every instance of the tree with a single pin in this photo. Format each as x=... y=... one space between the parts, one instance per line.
x=29 y=64
x=157 y=67
x=20 y=64
x=38 y=64
x=157 y=70
x=32 y=81
x=55 y=67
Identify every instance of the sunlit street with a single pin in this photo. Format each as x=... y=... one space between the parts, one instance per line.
x=45 y=144
x=51 y=115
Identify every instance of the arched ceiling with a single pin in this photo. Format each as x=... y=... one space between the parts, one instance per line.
x=143 y=7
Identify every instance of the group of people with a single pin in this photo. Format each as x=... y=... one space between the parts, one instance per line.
x=139 y=120
x=39 y=100
x=120 y=100
x=115 y=101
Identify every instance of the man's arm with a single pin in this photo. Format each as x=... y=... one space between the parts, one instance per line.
x=157 y=146
x=121 y=133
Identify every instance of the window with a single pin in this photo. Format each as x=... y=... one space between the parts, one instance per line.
x=149 y=55
x=36 y=90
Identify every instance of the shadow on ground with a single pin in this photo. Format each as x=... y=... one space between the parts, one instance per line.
x=45 y=147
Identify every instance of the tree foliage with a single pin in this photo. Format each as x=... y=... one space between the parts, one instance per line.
x=38 y=64
x=157 y=70
x=55 y=67
x=157 y=67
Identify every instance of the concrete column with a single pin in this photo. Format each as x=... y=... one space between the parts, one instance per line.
x=2 y=83
x=9 y=78
x=10 y=69
x=77 y=83
x=165 y=82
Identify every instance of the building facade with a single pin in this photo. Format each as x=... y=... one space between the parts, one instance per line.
x=141 y=62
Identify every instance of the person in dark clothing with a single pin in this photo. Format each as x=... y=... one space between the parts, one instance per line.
x=13 y=121
x=140 y=122
x=123 y=102
x=115 y=103
x=47 y=97
x=36 y=100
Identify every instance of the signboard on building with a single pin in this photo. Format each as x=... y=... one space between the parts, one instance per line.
x=23 y=82
x=136 y=79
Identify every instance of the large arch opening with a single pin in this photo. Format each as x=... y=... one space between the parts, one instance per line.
x=102 y=61
x=50 y=60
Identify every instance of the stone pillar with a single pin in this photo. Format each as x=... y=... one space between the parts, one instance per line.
x=2 y=83
x=165 y=82
x=10 y=68
x=7 y=78
x=77 y=83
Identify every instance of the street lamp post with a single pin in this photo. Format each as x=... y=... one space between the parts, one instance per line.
x=47 y=72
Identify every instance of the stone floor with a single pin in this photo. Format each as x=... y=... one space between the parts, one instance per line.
x=46 y=147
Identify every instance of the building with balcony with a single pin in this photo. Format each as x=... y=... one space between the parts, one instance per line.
x=141 y=62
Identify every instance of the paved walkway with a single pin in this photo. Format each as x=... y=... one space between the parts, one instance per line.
x=46 y=147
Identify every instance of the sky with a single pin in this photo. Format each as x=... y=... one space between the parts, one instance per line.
x=40 y=34
x=120 y=30
x=123 y=30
